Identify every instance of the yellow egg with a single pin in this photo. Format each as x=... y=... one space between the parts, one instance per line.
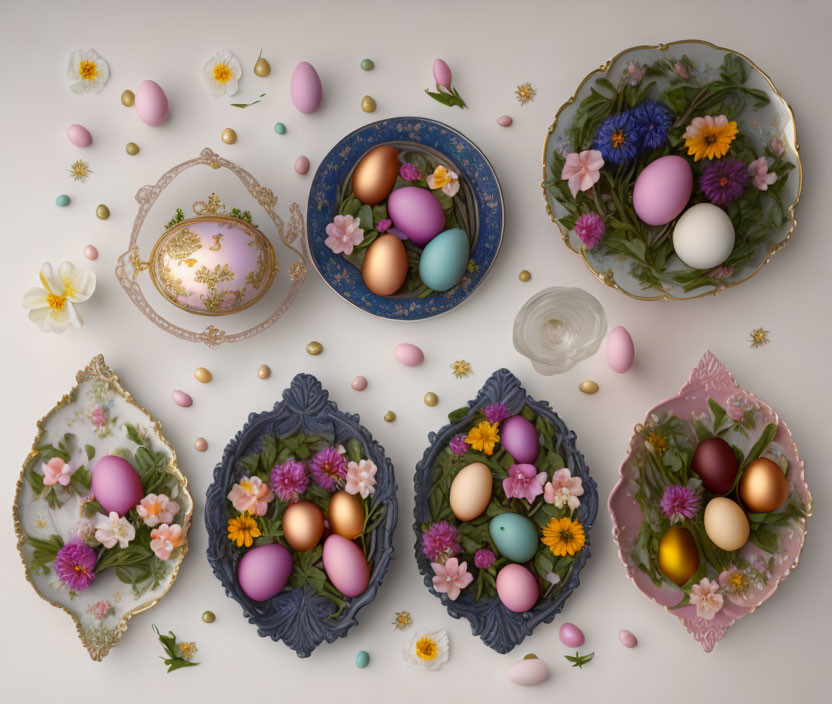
x=368 y=104
x=471 y=491
x=678 y=555
x=763 y=486
x=128 y=99
x=202 y=375
x=385 y=265
x=229 y=136
x=589 y=386
x=726 y=524
x=375 y=174
x=303 y=525
x=346 y=514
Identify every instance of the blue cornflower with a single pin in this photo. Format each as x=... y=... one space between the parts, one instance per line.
x=618 y=138
x=654 y=120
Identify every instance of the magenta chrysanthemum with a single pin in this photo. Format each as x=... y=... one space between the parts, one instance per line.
x=440 y=541
x=458 y=445
x=724 y=181
x=328 y=468
x=75 y=565
x=680 y=502
x=484 y=558
x=496 y=412
x=590 y=228
x=289 y=480
x=409 y=172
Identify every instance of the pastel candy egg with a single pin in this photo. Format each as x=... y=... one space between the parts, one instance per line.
x=444 y=260
x=620 y=350
x=504 y=121
x=570 y=635
x=517 y=588
x=514 y=536
x=409 y=355
x=528 y=672
x=704 y=236
x=359 y=383
x=79 y=135
x=116 y=485
x=519 y=438
x=628 y=640
x=662 y=190
x=417 y=213
x=90 y=252
x=345 y=565
x=264 y=571
x=471 y=491
x=305 y=88
x=302 y=165
x=151 y=103
x=180 y=398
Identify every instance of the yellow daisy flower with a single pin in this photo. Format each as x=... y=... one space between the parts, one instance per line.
x=403 y=620
x=525 y=93
x=187 y=650
x=563 y=536
x=709 y=137
x=87 y=71
x=658 y=442
x=759 y=337
x=461 y=369
x=483 y=437
x=242 y=530
x=79 y=170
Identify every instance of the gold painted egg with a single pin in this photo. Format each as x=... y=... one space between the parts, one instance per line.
x=212 y=265
x=726 y=524
x=471 y=491
x=303 y=525
x=385 y=265
x=375 y=175
x=678 y=555
x=763 y=486
x=346 y=514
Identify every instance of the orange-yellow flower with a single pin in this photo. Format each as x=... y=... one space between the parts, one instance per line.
x=242 y=530
x=563 y=536
x=483 y=437
x=710 y=137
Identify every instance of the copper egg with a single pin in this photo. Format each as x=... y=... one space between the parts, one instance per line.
x=303 y=525
x=678 y=555
x=763 y=486
x=375 y=175
x=346 y=514
x=385 y=265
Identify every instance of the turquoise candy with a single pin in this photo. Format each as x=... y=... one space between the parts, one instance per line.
x=62 y=200
x=514 y=536
x=280 y=128
x=444 y=260
x=362 y=659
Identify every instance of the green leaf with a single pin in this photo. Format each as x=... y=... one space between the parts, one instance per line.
x=355 y=452
x=579 y=660
x=365 y=216
x=765 y=440
x=268 y=453
x=45 y=551
x=133 y=434
x=90 y=450
x=458 y=414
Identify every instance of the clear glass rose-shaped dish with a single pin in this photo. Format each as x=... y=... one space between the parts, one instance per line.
x=558 y=327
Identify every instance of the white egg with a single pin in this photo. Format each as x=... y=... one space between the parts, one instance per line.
x=704 y=236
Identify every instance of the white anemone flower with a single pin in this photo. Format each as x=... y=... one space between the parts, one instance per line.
x=87 y=71
x=221 y=73
x=427 y=650
x=52 y=308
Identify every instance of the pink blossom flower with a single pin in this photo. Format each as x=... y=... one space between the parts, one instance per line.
x=451 y=578
x=383 y=225
x=409 y=172
x=681 y=71
x=165 y=539
x=564 y=489
x=85 y=528
x=154 y=509
x=523 y=482
x=442 y=73
x=721 y=272
x=496 y=412
x=707 y=599
x=679 y=502
x=289 y=480
x=737 y=585
x=777 y=147
x=760 y=176
x=458 y=445
x=736 y=407
x=57 y=471
x=251 y=495
x=484 y=558
x=590 y=228
x=582 y=170
x=98 y=416
x=113 y=529
x=344 y=233
x=440 y=541
x=100 y=609
x=361 y=478
x=634 y=72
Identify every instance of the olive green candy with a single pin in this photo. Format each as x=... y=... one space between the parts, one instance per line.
x=368 y=104
x=431 y=399
x=389 y=416
x=208 y=616
x=314 y=348
x=102 y=212
x=132 y=148
x=525 y=276
x=367 y=64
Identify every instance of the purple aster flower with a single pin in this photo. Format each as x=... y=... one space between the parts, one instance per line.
x=618 y=138
x=440 y=541
x=496 y=412
x=289 y=480
x=328 y=468
x=383 y=225
x=654 y=120
x=590 y=228
x=458 y=445
x=724 y=181
x=409 y=172
x=75 y=565
x=679 y=502
x=484 y=558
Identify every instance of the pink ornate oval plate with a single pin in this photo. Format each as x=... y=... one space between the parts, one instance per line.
x=727 y=585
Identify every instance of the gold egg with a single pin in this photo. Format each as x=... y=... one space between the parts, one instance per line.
x=264 y=371
x=128 y=99
x=262 y=68
x=375 y=174
x=524 y=276
x=229 y=136
x=589 y=386
x=202 y=375
x=471 y=491
x=303 y=525
x=209 y=617
x=132 y=148
x=314 y=348
x=346 y=514
x=678 y=555
x=385 y=265
x=389 y=416
x=726 y=524
x=431 y=399
x=763 y=486
x=102 y=212
x=368 y=104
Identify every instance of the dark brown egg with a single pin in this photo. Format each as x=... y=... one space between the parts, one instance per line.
x=385 y=265
x=303 y=525
x=375 y=175
x=763 y=486
x=716 y=464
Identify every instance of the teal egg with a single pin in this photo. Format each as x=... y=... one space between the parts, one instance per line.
x=515 y=536
x=62 y=201
x=444 y=260
x=362 y=659
x=280 y=128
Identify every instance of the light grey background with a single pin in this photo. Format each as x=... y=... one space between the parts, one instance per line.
x=779 y=652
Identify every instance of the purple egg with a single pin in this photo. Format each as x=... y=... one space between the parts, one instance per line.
x=571 y=636
x=116 y=484
x=305 y=88
x=417 y=213
x=519 y=438
x=264 y=571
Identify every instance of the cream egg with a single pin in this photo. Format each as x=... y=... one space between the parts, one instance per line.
x=704 y=236
x=726 y=524
x=471 y=491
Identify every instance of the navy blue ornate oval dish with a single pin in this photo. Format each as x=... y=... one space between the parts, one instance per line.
x=299 y=616
x=475 y=173
x=500 y=628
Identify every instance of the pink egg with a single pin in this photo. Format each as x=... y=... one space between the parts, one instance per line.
x=180 y=398
x=305 y=88
x=528 y=672
x=417 y=213
x=151 y=103
x=90 y=252
x=517 y=588
x=79 y=135
x=571 y=636
x=505 y=121
x=345 y=565
x=359 y=383
x=520 y=440
x=628 y=640
x=302 y=165
x=620 y=350
x=116 y=484
x=662 y=190
x=264 y=570
x=409 y=355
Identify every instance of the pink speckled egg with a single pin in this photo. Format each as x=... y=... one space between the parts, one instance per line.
x=264 y=570
x=571 y=636
x=116 y=484
x=621 y=351
x=628 y=640
x=90 y=252
x=151 y=103
x=305 y=88
x=180 y=398
x=345 y=565
x=359 y=383
x=505 y=121
x=417 y=213
x=79 y=135
x=519 y=438
x=662 y=190
x=517 y=588
x=409 y=355
x=302 y=165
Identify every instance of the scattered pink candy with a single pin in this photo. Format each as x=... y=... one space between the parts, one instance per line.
x=359 y=383
x=571 y=636
x=200 y=444
x=628 y=640
x=90 y=252
x=79 y=135
x=302 y=164
x=504 y=120
x=409 y=355
x=180 y=398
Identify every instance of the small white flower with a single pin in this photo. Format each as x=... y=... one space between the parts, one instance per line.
x=221 y=73
x=52 y=308
x=427 y=650
x=87 y=71
x=111 y=529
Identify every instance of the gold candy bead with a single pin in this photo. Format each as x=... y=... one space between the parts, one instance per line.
x=128 y=99
x=208 y=617
x=264 y=371
x=314 y=348
x=202 y=375
x=262 y=68
x=389 y=416
x=431 y=399
x=588 y=386
x=229 y=136
x=525 y=276
x=368 y=104
x=132 y=148
x=102 y=212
